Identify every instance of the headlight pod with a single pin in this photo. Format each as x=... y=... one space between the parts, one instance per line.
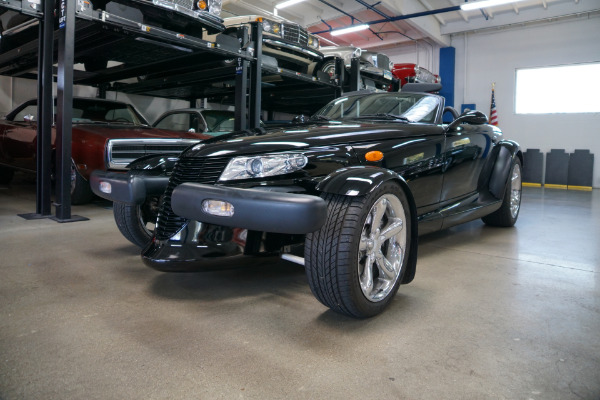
x=313 y=41
x=271 y=27
x=215 y=6
x=263 y=166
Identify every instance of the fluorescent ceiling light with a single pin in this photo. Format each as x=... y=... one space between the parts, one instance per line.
x=484 y=4
x=288 y=3
x=353 y=28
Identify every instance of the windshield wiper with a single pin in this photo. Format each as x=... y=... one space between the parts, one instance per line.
x=382 y=116
x=319 y=118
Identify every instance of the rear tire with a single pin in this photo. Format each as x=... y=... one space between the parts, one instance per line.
x=137 y=222
x=356 y=261
x=508 y=212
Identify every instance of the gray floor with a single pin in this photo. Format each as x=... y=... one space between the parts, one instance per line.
x=492 y=314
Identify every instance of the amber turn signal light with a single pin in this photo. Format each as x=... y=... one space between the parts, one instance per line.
x=374 y=156
x=202 y=5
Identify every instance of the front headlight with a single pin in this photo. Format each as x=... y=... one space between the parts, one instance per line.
x=313 y=41
x=263 y=166
x=215 y=6
x=271 y=27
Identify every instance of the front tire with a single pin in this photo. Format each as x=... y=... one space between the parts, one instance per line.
x=355 y=262
x=137 y=221
x=81 y=193
x=508 y=212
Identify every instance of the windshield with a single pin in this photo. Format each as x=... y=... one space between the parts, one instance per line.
x=412 y=107
x=86 y=111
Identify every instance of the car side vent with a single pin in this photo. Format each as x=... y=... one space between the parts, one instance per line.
x=193 y=169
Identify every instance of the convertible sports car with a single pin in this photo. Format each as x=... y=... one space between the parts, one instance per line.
x=106 y=135
x=346 y=194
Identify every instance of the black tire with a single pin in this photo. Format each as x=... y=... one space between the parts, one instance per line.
x=137 y=222
x=6 y=175
x=508 y=212
x=81 y=193
x=336 y=264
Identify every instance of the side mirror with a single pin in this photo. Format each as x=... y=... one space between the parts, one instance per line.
x=470 y=117
x=191 y=130
x=29 y=118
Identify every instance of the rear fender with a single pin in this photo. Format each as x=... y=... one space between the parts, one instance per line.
x=507 y=153
x=362 y=180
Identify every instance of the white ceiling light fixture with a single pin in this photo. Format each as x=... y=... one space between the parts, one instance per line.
x=476 y=5
x=353 y=28
x=288 y=3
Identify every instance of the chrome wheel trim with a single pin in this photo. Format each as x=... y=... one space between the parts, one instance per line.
x=515 y=191
x=382 y=248
x=73 y=176
x=329 y=68
x=148 y=223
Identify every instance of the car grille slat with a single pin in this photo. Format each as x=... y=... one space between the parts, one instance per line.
x=123 y=151
x=295 y=33
x=204 y=170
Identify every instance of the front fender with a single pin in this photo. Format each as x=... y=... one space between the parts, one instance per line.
x=356 y=181
x=507 y=153
x=360 y=181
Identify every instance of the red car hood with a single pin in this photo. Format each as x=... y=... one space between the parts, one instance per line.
x=120 y=131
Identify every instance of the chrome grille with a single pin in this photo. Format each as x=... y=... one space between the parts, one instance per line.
x=120 y=152
x=182 y=3
x=295 y=33
x=194 y=169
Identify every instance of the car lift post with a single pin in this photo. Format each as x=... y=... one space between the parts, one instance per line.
x=64 y=123
x=256 y=76
x=355 y=74
x=45 y=112
x=241 y=85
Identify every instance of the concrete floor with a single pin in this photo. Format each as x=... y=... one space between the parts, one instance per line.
x=492 y=314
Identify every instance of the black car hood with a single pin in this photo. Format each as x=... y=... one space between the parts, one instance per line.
x=303 y=136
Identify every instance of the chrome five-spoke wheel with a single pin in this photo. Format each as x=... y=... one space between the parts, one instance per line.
x=382 y=248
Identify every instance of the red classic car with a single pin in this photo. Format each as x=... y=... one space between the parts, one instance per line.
x=412 y=73
x=107 y=135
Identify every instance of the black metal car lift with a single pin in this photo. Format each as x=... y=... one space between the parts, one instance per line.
x=184 y=67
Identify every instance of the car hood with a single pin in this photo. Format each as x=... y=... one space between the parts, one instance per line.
x=304 y=136
x=117 y=131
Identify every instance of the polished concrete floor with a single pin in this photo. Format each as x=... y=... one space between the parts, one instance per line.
x=492 y=314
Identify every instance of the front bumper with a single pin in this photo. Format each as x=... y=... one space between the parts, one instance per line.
x=257 y=210
x=127 y=187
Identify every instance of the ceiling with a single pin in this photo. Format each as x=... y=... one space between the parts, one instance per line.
x=435 y=28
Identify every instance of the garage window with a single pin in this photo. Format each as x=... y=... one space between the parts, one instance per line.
x=560 y=89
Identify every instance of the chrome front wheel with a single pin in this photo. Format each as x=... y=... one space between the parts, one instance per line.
x=382 y=247
x=356 y=261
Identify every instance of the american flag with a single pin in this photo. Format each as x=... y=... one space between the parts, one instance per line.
x=493 y=112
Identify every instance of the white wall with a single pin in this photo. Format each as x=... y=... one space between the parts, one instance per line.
x=421 y=53
x=493 y=56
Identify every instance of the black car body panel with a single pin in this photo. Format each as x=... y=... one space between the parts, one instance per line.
x=450 y=173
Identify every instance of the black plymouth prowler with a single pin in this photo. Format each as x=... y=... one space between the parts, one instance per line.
x=346 y=194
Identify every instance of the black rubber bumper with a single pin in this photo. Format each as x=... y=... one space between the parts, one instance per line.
x=258 y=210
x=126 y=187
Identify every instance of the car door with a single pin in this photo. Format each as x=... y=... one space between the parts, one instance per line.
x=466 y=151
x=19 y=139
